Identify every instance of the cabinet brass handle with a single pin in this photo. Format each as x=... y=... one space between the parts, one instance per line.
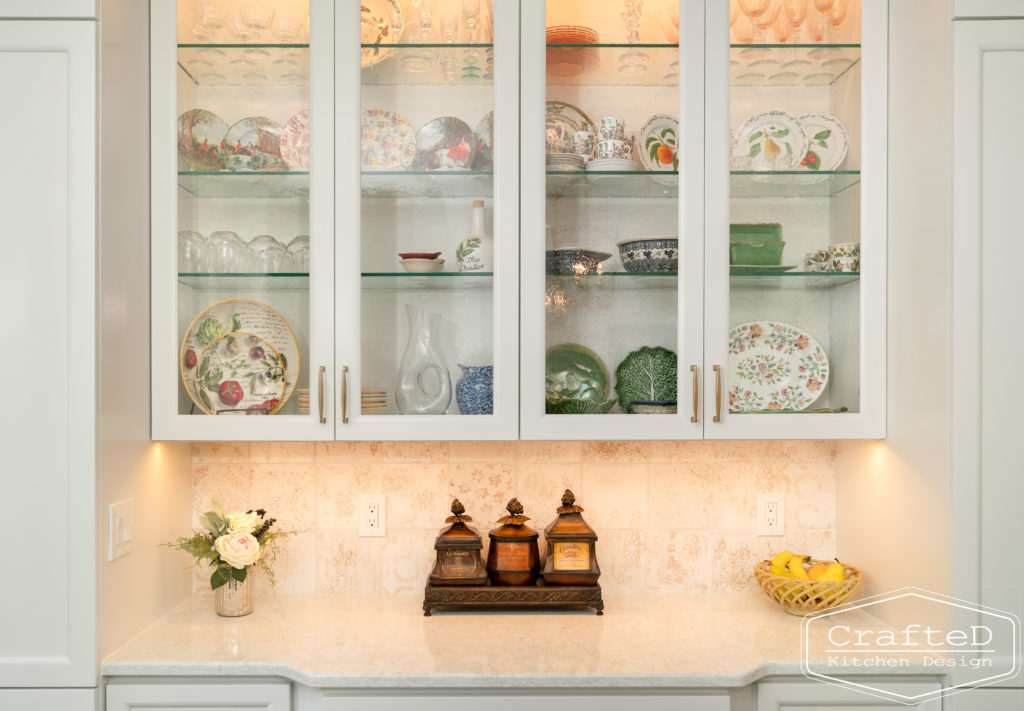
x=344 y=394
x=718 y=393
x=320 y=395
x=696 y=401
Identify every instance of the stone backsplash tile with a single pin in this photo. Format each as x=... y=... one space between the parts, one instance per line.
x=671 y=517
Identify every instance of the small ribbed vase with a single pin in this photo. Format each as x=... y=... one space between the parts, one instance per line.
x=234 y=599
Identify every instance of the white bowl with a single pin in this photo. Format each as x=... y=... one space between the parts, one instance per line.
x=422 y=266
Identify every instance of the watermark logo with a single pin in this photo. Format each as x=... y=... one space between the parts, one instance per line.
x=910 y=631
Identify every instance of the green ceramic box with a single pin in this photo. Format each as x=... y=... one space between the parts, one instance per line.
x=766 y=254
x=764 y=232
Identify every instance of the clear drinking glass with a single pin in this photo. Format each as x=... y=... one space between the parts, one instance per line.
x=269 y=254
x=224 y=252
x=298 y=254
x=191 y=251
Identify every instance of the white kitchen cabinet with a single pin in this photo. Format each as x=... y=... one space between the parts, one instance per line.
x=541 y=701
x=50 y=699
x=778 y=695
x=994 y=9
x=48 y=604
x=51 y=9
x=987 y=487
x=199 y=696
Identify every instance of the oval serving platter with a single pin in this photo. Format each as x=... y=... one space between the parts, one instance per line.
x=774 y=366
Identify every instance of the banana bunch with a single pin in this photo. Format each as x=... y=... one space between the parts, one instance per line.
x=790 y=565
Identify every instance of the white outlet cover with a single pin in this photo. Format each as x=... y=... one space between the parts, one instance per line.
x=120 y=528
x=370 y=526
x=768 y=524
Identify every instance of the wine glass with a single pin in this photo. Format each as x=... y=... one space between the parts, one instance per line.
x=243 y=33
x=211 y=16
x=824 y=7
x=287 y=29
x=449 y=33
x=258 y=16
x=836 y=16
x=633 y=61
x=765 y=19
x=754 y=8
x=471 y=57
x=420 y=59
x=796 y=13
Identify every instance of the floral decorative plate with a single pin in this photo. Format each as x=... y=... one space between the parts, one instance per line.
x=772 y=140
x=387 y=140
x=571 y=118
x=378 y=20
x=827 y=141
x=774 y=366
x=240 y=318
x=239 y=372
x=200 y=133
x=259 y=137
x=658 y=147
x=484 y=134
x=295 y=141
x=446 y=143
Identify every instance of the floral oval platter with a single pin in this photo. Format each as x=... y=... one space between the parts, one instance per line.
x=774 y=366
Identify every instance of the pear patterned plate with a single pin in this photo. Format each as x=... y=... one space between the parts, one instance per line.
x=828 y=143
x=774 y=366
x=772 y=140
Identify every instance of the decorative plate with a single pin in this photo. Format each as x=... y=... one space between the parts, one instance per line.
x=574 y=371
x=772 y=140
x=446 y=143
x=571 y=118
x=237 y=317
x=200 y=133
x=827 y=141
x=259 y=137
x=658 y=147
x=295 y=141
x=774 y=366
x=387 y=141
x=484 y=135
x=378 y=20
x=648 y=373
x=239 y=372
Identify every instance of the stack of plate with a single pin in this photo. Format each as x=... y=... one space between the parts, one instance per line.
x=374 y=398
x=564 y=161
x=571 y=61
x=303 y=395
x=612 y=164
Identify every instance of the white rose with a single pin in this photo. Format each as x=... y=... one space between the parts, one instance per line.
x=238 y=549
x=243 y=522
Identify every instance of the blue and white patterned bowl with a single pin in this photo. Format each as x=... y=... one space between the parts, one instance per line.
x=574 y=260
x=650 y=254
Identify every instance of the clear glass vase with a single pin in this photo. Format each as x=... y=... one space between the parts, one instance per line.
x=424 y=384
x=234 y=599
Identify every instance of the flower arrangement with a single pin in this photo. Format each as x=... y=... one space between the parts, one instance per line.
x=233 y=543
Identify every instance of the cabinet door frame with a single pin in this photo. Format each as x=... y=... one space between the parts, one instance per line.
x=870 y=421
x=504 y=423
x=241 y=695
x=71 y=546
x=781 y=695
x=535 y=424
x=167 y=424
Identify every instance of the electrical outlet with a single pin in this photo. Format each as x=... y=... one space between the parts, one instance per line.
x=372 y=515
x=120 y=525
x=770 y=515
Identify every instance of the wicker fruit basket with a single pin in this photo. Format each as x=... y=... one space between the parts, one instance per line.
x=803 y=597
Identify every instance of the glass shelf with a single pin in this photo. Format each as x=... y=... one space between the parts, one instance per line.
x=245 y=64
x=397 y=67
x=616 y=280
x=434 y=280
x=434 y=184
x=791 y=280
x=244 y=280
x=598 y=65
x=790 y=64
x=790 y=183
x=245 y=184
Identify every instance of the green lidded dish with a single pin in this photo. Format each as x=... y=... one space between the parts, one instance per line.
x=573 y=371
x=756 y=233
x=768 y=254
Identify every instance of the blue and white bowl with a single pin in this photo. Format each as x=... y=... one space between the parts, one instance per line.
x=574 y=260
x=650 y=254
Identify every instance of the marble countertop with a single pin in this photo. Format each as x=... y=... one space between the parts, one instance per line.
x=386 y=642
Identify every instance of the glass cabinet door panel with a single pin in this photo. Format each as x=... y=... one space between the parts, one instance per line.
x=800 y=244
x=246 y=236
x=611 y=269
x=432 y=262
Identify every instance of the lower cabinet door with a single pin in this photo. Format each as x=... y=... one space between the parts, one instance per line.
x=521 y=701
x=50 y=699
x=196 y=696
x=810 y=695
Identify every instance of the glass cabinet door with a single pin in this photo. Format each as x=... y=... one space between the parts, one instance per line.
x=796 y=299
x=612 y=219
x=242 y=257
x=427 y=223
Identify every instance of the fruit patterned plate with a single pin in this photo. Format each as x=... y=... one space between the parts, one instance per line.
x=774 y=366
x=259 y=137
x=387 y=140
x=200 y=133
x=378 y=20
x=232 y=317
x=446 y=143
x=827 y=142
x=295 y=141
x=658 y=147
x=484 y=135
x=571 y=118
x=772 y=140
x=239 y=373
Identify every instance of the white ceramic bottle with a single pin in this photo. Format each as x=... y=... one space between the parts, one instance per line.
x=476 y=252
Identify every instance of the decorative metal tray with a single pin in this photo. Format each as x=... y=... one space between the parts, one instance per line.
x=540 y=595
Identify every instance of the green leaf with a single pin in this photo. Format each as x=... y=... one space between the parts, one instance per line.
x=239 y=574
x=754 y=150
x=823 y=144
x=650 y=140
x=204 y=398
x=204 y=365
x=757 y=135
x=236 y=323
x=654 y=154
x=284 y=361
x=822 y=135
x=220 y=577
x=789 y=150
x=666 y=132
x=781 y=133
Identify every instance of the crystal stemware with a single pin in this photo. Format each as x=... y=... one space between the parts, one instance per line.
x=258 y=16
x=824 y=7
x=633 y=61
x=243 y=34
x=471 y=57
x=796 y=13
x=836 y=16
x=420 y=59
x=211 y=16
x=449 y=33
x=287 y=29
x=765 y=20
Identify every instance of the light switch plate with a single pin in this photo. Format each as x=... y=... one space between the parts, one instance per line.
x=372 y=515
x=771 y=514
x=120 y=528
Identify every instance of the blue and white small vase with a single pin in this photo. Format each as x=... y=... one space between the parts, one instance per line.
x=475 y=390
